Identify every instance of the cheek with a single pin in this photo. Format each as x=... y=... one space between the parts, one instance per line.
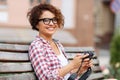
x=40 y=26
x=56 y=25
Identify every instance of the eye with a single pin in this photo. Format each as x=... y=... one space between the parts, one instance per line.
x=54 y=20
x=46 y=20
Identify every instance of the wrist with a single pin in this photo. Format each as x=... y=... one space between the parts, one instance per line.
x=71 y=66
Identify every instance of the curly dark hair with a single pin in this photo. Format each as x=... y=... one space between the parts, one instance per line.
x=34 y=14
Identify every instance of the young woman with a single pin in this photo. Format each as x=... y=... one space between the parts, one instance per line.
x=47 y=55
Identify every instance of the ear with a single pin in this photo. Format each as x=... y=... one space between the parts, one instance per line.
x=37 y=26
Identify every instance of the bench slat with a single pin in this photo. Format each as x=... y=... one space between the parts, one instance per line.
x=15 y=67
x=96 y=76
x=78 y=49
x=10 y=56
x=71 y=55
x=13 y=47
x=18 y=47
x=22 y=76
x=96 y=69
x=25 y=67
x=31 y=76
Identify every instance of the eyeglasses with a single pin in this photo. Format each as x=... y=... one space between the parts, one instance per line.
x=47 y=21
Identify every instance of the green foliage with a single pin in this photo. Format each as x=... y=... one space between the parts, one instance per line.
x=115 y=50
x=115 y=55
x=114 y=73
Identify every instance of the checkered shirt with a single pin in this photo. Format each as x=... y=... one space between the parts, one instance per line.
x=44 y=60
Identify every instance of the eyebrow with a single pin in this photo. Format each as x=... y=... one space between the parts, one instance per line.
x=47 y=17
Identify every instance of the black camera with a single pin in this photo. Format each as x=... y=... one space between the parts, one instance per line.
x=90 y=55
x=87 y=73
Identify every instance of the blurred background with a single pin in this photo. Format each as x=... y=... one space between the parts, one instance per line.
x=88 y=23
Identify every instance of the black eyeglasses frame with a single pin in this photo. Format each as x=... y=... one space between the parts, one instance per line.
x=54 y=20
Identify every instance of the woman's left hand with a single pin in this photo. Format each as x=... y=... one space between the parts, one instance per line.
x=85 y=65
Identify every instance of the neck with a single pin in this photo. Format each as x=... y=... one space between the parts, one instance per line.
x=48 y=38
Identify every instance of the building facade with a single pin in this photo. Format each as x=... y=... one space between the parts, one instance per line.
x=82 y=20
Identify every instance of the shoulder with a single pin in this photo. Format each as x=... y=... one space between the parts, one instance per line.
x=59 y=43
x=35 y=44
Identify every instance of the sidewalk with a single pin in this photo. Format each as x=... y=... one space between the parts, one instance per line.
x=26 y=35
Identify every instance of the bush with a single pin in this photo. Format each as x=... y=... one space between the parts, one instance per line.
x=115 y=56
x=115 y=50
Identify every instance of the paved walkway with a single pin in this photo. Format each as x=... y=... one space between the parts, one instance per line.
x=27 y=35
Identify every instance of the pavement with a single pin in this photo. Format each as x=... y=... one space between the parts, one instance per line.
x=26 y=35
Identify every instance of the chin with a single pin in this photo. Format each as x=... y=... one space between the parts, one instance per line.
x=51 y=32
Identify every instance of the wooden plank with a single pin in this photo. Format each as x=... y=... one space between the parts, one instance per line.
x=11 y=56
x=96 y=69
x=78 y=49
x=15 y=67
x=20 y=47
x=31 y=76
x=95 y=61
x=96 y=76
x=22 y=76
x=14 y=47
x=72 y=55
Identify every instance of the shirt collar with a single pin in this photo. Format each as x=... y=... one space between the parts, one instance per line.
x=43 y=40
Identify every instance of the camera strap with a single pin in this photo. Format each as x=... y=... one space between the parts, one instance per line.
x=84 y=76
x=74 y=75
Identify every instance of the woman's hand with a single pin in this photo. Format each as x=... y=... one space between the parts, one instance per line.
x=85 y=65
x=76 y=62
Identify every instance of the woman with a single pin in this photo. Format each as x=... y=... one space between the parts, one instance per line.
x=47 y=54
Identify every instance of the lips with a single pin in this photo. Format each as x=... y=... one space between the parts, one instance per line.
x=51 y=28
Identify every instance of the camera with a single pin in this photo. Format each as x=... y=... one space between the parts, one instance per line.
x=87 y=73
x=89 y=56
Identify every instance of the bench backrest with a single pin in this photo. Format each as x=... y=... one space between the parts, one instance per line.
x=15 y=63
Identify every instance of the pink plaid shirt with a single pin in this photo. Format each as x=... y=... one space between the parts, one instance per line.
x=44 y=60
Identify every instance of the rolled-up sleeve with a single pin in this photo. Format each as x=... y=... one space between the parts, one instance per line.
x=40 y=64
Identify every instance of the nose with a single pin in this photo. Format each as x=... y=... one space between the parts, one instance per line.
x=51 y=23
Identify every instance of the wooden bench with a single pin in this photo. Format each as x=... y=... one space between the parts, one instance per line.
x=15 y=63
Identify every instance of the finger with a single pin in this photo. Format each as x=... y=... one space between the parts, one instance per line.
x=86 y=56
x=79 y=55
x=87 y=59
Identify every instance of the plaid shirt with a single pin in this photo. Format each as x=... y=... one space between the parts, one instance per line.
x=44 y=60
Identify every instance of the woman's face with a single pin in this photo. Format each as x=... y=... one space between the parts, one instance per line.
x=47 y=24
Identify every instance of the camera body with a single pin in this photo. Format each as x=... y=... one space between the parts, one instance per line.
x=90 y=55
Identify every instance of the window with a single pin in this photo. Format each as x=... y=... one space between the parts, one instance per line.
x=3 y=4
x=35 y=2
x=68 y=11
x=3 y=16
x=3 y=11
